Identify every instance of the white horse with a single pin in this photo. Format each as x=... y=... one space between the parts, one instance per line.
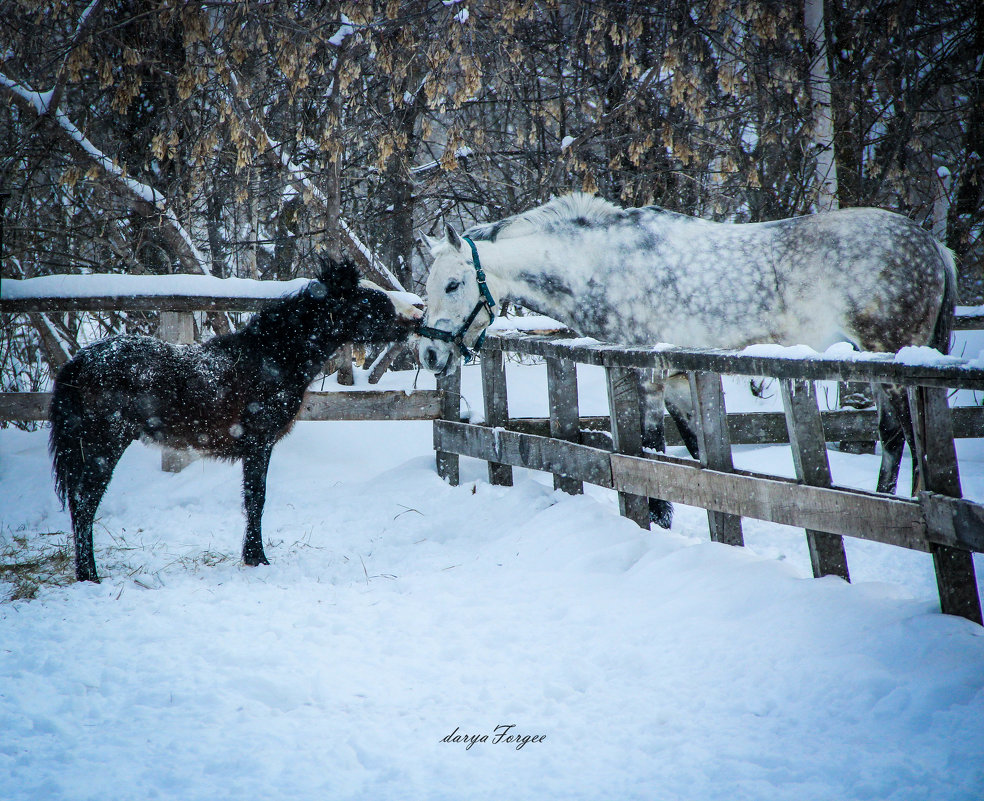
x=642 y=276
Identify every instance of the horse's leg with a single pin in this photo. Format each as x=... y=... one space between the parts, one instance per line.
x=654 y=438
x=255 y=465
x=894 y=429
x=680 y=405
x=98 y=460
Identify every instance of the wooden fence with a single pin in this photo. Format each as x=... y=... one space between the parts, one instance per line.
x=608 y=451
x=177 y=325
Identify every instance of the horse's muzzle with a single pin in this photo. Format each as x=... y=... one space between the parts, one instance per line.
x=437 y=360
x=429 y=357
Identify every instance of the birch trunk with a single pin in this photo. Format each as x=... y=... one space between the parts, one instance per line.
x=823 y=119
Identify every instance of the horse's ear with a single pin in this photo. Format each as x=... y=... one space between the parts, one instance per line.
x=432 y=242
x=453 y=239
x=341 y=277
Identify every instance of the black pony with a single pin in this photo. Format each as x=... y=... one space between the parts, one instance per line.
x=232 y=397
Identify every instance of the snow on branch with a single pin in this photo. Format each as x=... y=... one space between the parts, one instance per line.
x=143 y=199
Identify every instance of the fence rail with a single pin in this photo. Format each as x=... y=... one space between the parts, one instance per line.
x=356 y=405
x=608 y=451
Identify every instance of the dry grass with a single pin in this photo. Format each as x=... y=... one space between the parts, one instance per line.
x=27 y=565
x=32 y=562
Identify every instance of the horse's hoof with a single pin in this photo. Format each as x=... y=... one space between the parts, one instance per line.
x=661 y=512
x=255 y=559
x=85 y=575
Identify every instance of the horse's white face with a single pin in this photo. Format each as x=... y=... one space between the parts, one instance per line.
x=452 y=295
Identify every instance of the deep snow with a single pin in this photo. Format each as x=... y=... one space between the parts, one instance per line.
x=398 y=609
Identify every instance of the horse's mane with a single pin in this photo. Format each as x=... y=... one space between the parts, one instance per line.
x=338 y=279
x=577 y=208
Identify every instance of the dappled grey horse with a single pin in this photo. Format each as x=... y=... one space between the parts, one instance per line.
x=642 y=276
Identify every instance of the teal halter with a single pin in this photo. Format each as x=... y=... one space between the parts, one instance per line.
x=485 y=301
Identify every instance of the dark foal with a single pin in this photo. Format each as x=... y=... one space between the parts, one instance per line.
x=232 y=397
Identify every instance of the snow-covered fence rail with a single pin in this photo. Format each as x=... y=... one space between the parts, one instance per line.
x=173 y=293
x=937 y=521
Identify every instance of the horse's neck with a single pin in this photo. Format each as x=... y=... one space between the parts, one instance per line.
x=282 y=342
x=540 y=285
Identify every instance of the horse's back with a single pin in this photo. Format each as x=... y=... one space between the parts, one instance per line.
x=884 y=274
x=867 y=275
x=136 y=385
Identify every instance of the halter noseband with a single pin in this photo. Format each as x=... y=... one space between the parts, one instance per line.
x=485 y=301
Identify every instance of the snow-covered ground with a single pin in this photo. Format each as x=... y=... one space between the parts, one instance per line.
x=401 y=614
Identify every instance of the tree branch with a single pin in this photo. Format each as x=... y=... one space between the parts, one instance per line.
x=145 y=201
x=274 y=153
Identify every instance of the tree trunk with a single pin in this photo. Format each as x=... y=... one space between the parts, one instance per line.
x=823 y=120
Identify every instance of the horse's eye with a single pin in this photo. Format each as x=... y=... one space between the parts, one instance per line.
x=452 y=286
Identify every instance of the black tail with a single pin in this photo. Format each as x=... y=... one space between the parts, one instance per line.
x=944 y=320
x=65 y=440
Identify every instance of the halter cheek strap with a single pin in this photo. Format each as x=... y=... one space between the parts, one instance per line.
x=485 y=301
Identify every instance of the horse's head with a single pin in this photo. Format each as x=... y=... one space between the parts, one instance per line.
x=359 y=311
x=459 y=304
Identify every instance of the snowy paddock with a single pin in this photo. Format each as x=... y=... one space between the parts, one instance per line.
x=401 y=614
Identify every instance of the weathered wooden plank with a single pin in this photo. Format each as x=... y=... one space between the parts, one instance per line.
x=806 y=439
x=935 y=451
x=954 y=521
x=877 y=368
x=677 y=359
x=496 y=408
x=864 y=515
x=715 y=447
x=449 y=385
x=970 y=320
x=769 y=428
x=524 y=450
x=870 y=516
x=624 y=403
x=371 y=405
x=937 y=458
x=177 y=327
x=361 y=405
x=746 y=428
x=343 y=357
x=540 y=426
x=564 y=414
x=24 y=405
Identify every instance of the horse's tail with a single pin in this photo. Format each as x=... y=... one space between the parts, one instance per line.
x=67 y=423
x=948 y=305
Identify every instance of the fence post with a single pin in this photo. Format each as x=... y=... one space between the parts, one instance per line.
x=564 y=414
x=346 y=374
x=937 y=459
x=626 y=412
x=496 y=406
x=450 y=386
x=809 y=446
x=715 y=447
x=179 y=328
